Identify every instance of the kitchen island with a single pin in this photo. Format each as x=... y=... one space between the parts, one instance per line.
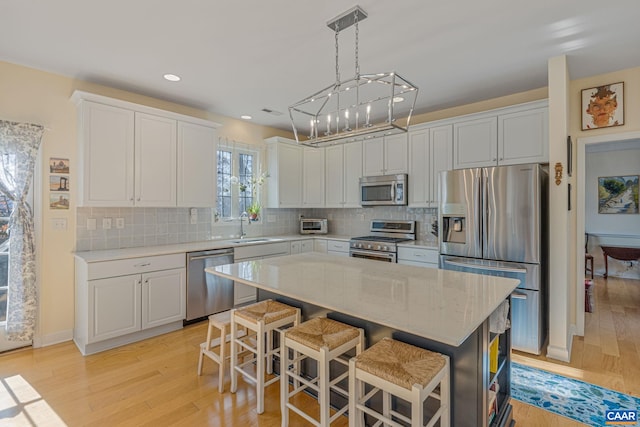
x=443 y=311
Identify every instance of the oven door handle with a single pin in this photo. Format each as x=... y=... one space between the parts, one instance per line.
x=373 y=254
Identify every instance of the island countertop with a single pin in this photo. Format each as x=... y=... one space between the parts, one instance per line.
x=441 y=305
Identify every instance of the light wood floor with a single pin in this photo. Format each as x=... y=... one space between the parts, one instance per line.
x=154 y=382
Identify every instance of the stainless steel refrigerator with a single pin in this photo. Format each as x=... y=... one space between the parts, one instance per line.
x=493 y=221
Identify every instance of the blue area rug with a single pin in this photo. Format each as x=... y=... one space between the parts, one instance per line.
x=580 y=401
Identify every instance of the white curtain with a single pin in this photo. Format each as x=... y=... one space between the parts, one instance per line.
x=19 y=143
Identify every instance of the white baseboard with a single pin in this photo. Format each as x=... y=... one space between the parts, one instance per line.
x=51 y=339
x=562 y=353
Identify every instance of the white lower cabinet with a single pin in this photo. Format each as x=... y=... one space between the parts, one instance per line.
x=320 y=245
x=420 y=257
x=123 y=301
x=301 y=246
x=337 y=247
x=244 y=294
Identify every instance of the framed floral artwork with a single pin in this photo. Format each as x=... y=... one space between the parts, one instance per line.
x=603 y=106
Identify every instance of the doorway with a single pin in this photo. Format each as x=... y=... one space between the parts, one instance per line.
x=611 y=143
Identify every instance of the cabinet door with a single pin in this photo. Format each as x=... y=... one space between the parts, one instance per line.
x=313 y=177
x=107 y=155
x=155 y=161
x=285 y=168
x=320 y=245
x=196 y=165
x=295 y=248
x=163 y=297
x=334 y=176
x=440 y=159
x=523 y=137
x=114 y=307
x=419 y=161
x=475 y=143
x=306 y=246
x=352 y=174
x=373 y=157
x=395 y=154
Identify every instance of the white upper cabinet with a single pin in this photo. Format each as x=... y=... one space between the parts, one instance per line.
x=284 y=186
x=106 y=155
x=334 y=176
x=129 y=155
x=352 y=174
x=475 y=143
x=313 y=177
x=155 y=160
x=430 y=151
x=196 y=169
x=343 y=169
x=512 y=135
x=385 y=155
x=523 y=137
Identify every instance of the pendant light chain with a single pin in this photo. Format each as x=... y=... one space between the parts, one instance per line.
x=357 y=34
x=337 y=69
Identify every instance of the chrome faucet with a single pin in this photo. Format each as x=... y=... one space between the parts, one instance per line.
x=243 y=215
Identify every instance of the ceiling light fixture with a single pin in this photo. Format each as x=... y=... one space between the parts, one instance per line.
x=246 y=117
x=363 y=106
x=172 y=77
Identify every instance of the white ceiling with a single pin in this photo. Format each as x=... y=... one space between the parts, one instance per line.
x=238 y=57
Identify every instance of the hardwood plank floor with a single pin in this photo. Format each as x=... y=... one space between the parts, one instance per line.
x=154 y=382
x=608 y=355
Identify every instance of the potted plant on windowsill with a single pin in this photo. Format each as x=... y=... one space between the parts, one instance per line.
x=254 y=211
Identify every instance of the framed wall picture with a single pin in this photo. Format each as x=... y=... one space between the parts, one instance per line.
x=603 y=106
x=58 y=183
x=59 y=201
x=618 y=194
x=58 y=165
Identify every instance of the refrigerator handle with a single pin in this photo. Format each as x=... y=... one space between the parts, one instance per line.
x=517 y=295
x=486 y=267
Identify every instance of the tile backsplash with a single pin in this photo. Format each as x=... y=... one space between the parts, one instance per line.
x=163 y=226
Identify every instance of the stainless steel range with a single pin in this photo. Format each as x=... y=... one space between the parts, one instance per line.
x=381 y=245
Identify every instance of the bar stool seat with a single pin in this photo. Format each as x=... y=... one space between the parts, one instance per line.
x=323 y=340
x=262 y=318
x=220 y=323
x=402 y=370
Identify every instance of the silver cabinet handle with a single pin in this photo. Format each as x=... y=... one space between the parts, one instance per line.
x=146 y=281
x=517 y=295
x=143 y=264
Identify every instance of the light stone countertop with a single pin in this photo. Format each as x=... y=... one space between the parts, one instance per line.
x=424 y=244
x=440 y=305
x=144 y=251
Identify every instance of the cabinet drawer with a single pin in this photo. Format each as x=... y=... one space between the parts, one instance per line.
x=268 y=249
x=337 y=246
x=121 y=267
x=418 y=255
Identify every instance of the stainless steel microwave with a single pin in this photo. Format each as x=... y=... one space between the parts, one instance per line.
x=383 y=190
x=313 y=226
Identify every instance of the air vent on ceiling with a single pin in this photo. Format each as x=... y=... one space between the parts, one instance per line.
x=272 y=112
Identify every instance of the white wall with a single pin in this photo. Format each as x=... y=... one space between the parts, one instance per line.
x=609 y=163
x=612 y=229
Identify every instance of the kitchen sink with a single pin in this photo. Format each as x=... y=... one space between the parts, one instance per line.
x=255 y=240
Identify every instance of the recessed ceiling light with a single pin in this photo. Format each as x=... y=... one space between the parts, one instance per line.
x=172 y=77
x=246 y=117
x=398 y=99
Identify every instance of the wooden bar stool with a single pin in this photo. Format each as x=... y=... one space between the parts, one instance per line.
x=262 y=318
x=323 y=340
x=401 y=370
x=221 y=322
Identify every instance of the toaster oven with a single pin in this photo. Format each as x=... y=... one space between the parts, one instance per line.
x=313 y=226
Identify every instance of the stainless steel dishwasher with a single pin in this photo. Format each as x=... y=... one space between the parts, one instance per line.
x=206 y=293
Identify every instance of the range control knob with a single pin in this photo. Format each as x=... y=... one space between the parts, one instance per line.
x=385 y=248
x=359 y=245
x=369 y=246
x=378 y=247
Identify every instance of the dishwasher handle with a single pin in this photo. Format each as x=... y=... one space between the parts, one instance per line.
x=193 y=256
